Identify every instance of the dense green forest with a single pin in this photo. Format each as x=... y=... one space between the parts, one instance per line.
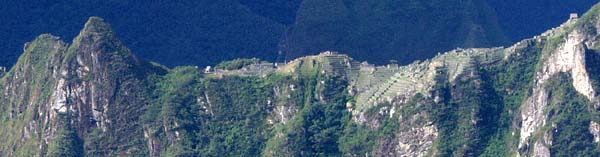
x=94 y=97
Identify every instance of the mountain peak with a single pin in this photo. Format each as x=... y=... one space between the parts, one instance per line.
x=96 y=25
x=97 y=46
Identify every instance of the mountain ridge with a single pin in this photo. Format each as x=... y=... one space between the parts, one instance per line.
x=94 y=97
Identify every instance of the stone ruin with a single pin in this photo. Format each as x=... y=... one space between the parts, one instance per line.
x=208 y=69
x=2 y=71
x=573 y=16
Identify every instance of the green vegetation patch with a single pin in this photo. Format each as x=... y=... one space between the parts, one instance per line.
x=570 y=116
x=237 y=63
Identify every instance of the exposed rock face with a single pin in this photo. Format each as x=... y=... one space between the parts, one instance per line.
x=567 y=57
x=2 y=71
x=103 y=64
x=20 y=101
x=104 y=82
x=410 y=146
x=83 y=80
x=284 y=110
x=541 y=146
x=570 y=57
x=595 y=130
x=96 y=98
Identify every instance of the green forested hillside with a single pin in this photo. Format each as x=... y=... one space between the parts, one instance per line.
x=95 y=97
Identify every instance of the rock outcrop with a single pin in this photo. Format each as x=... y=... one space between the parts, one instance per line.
x=94 y=97
x=84 y=80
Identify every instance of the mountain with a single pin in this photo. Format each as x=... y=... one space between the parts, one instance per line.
x=206 y=32
x=94 y=97
x=523 y=19
x=402 y=30
x=175 y=33
x=95 y=77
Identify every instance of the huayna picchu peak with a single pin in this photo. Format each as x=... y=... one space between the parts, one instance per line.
x=94 y=97
x=96 y=25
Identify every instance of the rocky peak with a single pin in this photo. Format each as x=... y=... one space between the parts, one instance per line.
x=93 y=82
x=26 y=88
x=98 y=40
x=96 y=25
x=455 y=103
x=99 y=62
x=95 y=30
x=40 y=49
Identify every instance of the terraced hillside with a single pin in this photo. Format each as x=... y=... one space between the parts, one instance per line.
x=94 y=97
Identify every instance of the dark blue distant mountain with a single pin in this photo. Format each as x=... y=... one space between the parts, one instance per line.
x=522 y=19
x=207 y=32
x=93 y=96
x=384 y=30
x=171 y=32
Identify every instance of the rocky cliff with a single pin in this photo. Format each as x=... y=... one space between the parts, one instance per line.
x=94 y=97
x=92 y=85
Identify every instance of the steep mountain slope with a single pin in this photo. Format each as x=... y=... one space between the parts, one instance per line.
x=58 y=93
x=93 y=97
